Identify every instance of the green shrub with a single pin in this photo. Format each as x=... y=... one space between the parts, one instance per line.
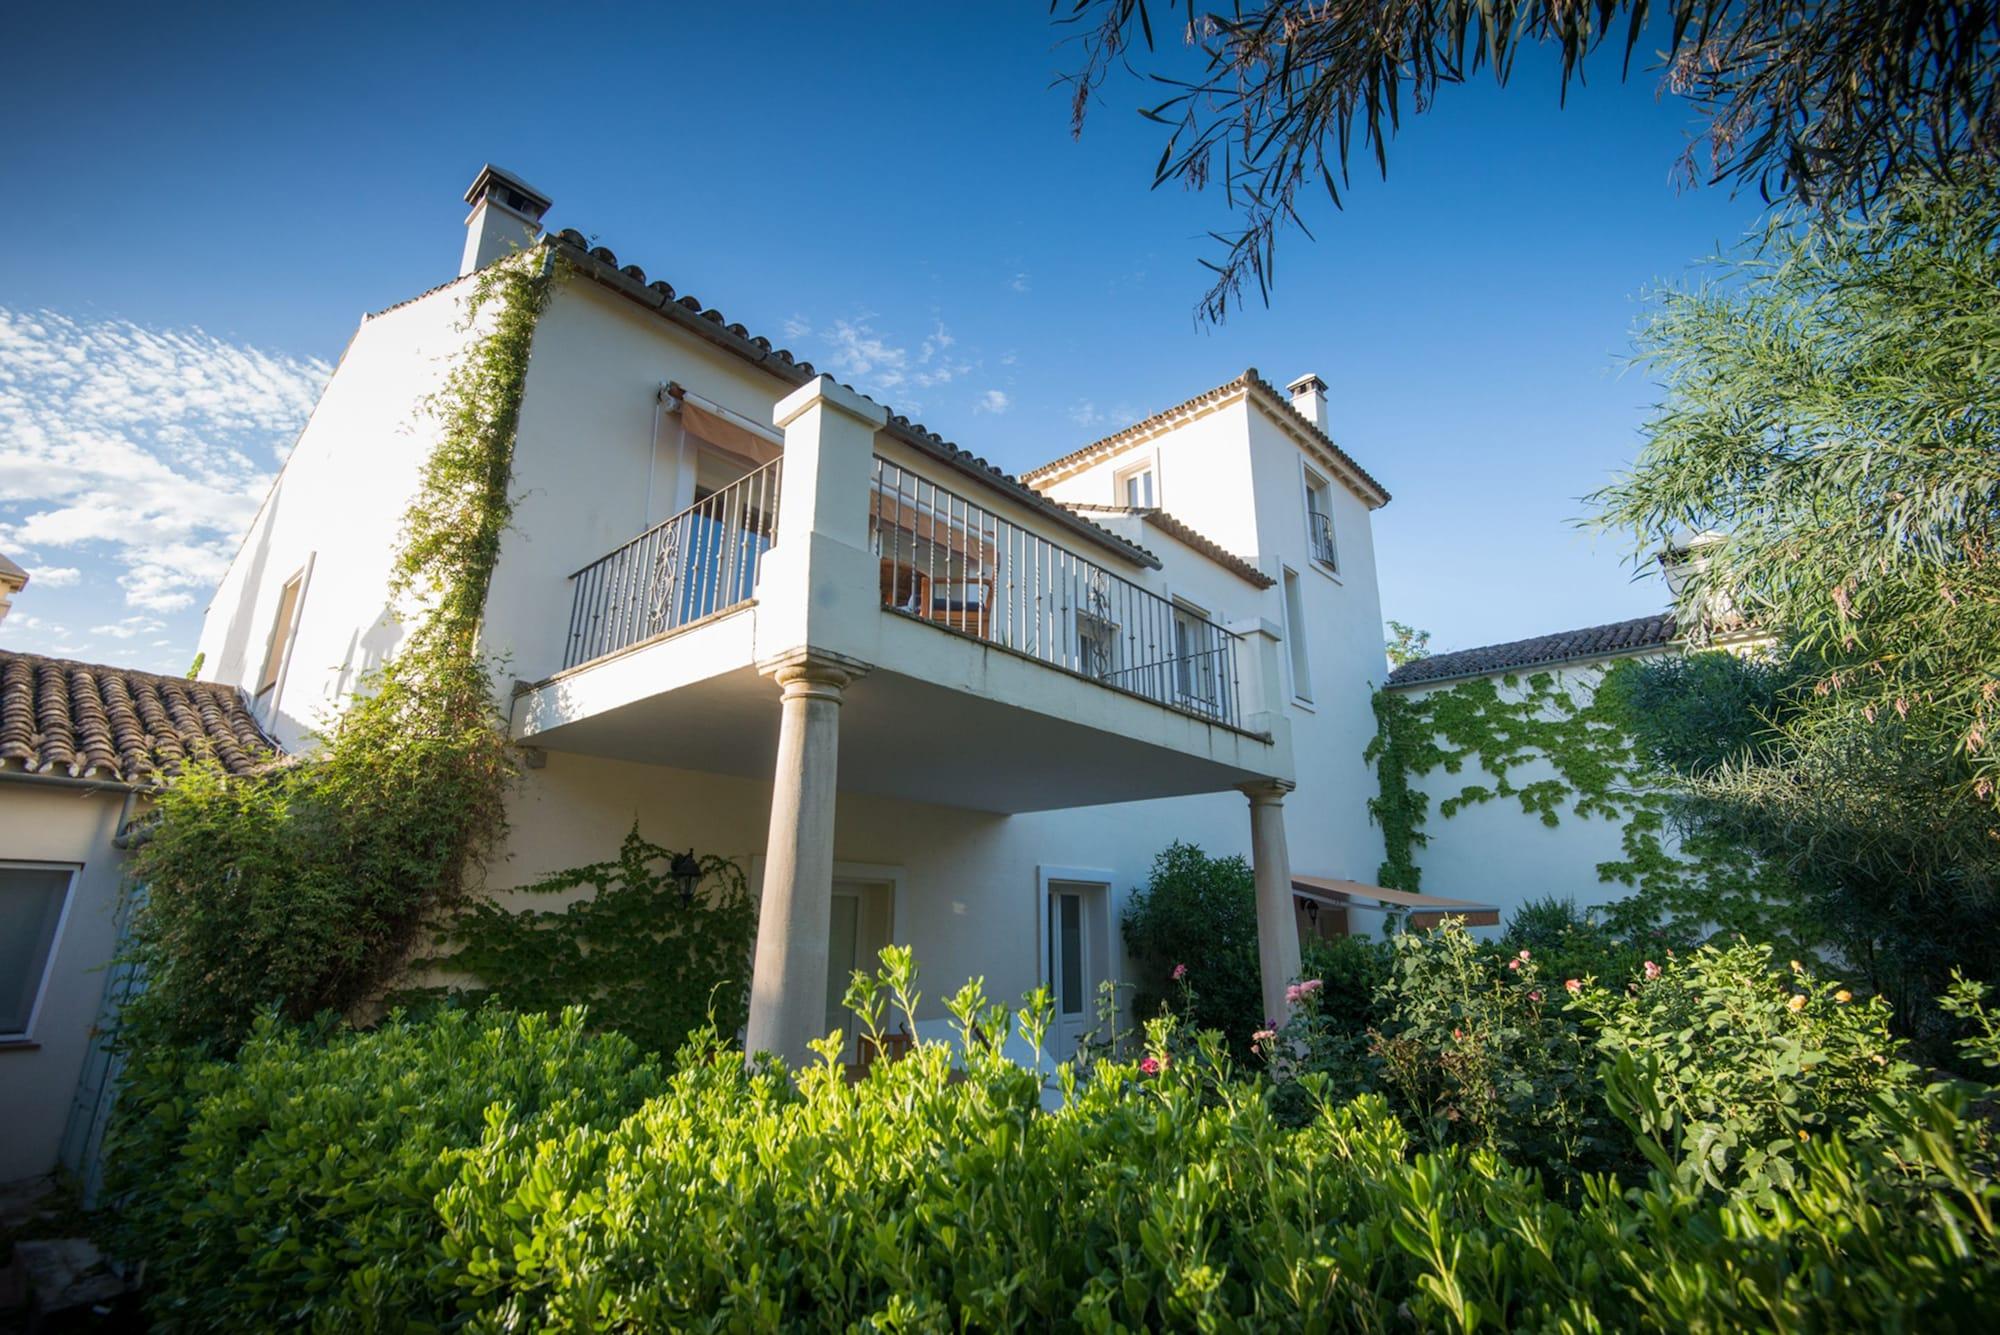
x=481 y=1173
x=1202 y=912
x=1568 y=942
x=296 y=1184
x=1724 y=1065
x=1351 y=971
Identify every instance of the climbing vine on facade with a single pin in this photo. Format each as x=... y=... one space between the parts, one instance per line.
x=305 y=888
x=1493 y=730
x=649 y=961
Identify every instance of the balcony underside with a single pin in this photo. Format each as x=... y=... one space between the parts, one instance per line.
x=979 y=728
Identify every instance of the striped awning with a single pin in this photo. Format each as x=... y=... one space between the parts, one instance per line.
x=1423 y=910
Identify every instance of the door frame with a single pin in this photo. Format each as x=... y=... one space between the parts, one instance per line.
x=1103 y=962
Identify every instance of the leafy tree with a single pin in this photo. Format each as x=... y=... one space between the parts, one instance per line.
x=1202 y=912
x=1830 y=406
x=1824 y=103
x=1407 y=644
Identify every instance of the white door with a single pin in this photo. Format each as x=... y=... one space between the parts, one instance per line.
x=1071 y=985
x=858 y=929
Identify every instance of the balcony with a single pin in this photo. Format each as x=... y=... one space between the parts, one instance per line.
x=985 y=660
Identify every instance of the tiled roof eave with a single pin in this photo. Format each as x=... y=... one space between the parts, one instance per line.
x=630 y=281
x=95 y=724
x=1188 y=536
x=1618 y=639
x=1249 y=384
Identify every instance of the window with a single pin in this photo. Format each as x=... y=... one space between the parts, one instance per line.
x=1319 y=521
x=281 y=632
x=1135 y=487
x=1066 y=952
x=32 y=899
x=1295 y=636
x=1197 y=660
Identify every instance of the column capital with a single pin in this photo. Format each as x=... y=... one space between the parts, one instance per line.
x=825 y=389
x=814 y=672
x=1266 y=792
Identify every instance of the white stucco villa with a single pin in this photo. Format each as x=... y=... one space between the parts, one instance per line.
x=920 y=700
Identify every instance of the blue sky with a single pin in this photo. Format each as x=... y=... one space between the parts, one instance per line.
x=206 y=199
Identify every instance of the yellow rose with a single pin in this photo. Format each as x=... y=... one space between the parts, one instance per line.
x=1843 y=996
x=1797 y=1003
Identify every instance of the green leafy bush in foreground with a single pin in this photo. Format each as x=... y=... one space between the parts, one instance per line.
x=498 y=1174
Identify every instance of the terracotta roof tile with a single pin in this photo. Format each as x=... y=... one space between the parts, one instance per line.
x=600 y=263
x=90 y=721
x=1619 y=637
x=1188 y=535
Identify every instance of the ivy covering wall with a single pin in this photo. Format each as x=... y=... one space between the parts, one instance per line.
x=306 y=887
x=1484 y=733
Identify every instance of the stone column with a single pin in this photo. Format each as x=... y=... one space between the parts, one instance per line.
x=1277 y=924
x=788 y=983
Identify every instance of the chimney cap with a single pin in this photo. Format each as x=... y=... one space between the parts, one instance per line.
x=1305 y=383
x=505 y=188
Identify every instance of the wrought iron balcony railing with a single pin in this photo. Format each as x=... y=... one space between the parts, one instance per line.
x=702 y=561
x=951 y=562
x=1319 y=527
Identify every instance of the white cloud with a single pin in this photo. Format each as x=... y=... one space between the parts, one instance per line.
x=1019 y=282
x=992 y=401
x=54 y=577
x=148 y=450
x=882 y=365
x=130 y=627
x=1088 y=414
x=797 y=326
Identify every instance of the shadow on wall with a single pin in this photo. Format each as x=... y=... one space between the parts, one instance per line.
x=239 y=636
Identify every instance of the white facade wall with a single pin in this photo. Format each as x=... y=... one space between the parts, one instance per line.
x=1495 y=853
x=65 y=826
x=596 y=463
x=334 y=514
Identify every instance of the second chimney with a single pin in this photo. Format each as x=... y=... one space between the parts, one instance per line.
x=1309 y=397
x=506 y=216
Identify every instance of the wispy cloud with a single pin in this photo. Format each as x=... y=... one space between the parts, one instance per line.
x=884 y=365
x=1019 y=282
x=797 y=326
x=1088 y=414
x=143 y=451
x=993 y=401
x=130 y=627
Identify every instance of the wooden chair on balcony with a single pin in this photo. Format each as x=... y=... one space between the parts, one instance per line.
x=963 y=605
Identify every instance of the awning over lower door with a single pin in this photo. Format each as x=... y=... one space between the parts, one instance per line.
x=1423 y=910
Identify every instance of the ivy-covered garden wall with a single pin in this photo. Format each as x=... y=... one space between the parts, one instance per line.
x=1518 y=786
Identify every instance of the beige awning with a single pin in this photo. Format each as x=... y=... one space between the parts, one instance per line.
x=1424 y=910
x=726 y=435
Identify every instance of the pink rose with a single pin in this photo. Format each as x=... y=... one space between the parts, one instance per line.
x=1534 y=996
x=1652 y=971
x=1151 y=1066
x=1524 y=957
x=1574 y=986
x=1311 y=987
x=1180 y=972
x=1263 y=1036
x=1513 y=965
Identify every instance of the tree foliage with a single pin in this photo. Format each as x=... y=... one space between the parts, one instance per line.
x=1202 y=912
x=306 y=886
x=1406 y=644
x=1827 y=103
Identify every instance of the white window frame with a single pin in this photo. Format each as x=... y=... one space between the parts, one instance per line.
x=1298 y=655
x=1146 y=466
x=1100 y=879
x=1313 y=483
x=75 y=869
x=277 y=662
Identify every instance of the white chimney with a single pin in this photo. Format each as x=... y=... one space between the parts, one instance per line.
x=13 y=579
x=506 y=216
x=1309 y=397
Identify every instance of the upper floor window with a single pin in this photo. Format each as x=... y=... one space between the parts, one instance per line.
x=32 y=899
x=1295 y=637
x=1136 y=488
x=1319 y=521
x=282 y=627
x=1198 y=660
